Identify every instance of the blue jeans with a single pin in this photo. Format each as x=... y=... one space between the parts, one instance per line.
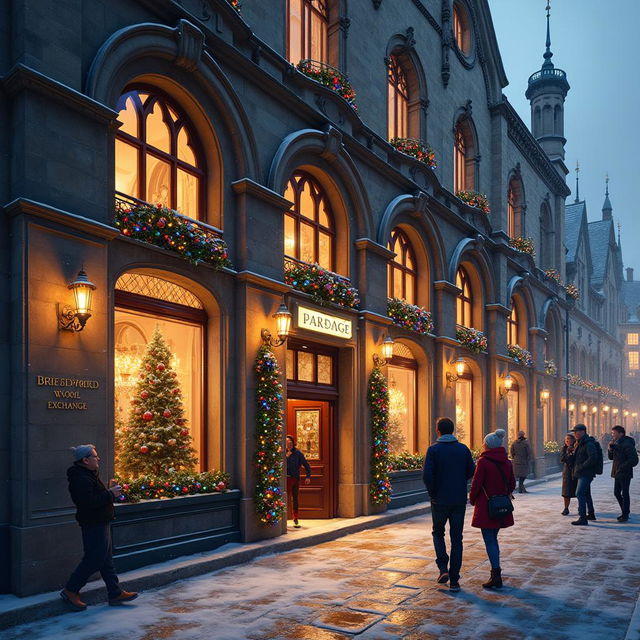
x=490 y=537
x=439 y=516
x=96 y=541
x=583 y=493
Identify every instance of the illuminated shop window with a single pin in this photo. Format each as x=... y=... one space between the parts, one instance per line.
x=464 y=410
x=401 y=377
x=397 y=100
x=182 y=326
x=308 y=28
x=402 y=271
x=157 y=155
x=309 y=231
x=513 y=408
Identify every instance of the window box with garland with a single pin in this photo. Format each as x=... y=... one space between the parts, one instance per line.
x=550 y=368
x=475 y=199
x=409 y=316
x=329 y=77
x=523 y=245
x=520 y=355
x=416 y=149
x=472 y=339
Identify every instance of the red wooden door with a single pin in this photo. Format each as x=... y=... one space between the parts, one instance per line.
x=310 y=422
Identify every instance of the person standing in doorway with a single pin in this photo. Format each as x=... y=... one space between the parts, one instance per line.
x=584 y=470
x=622 y=450
x=522 y=457
x=295 y=460
x=94 y=514
x=493 y=477
x=569 y=483
x=448 y=466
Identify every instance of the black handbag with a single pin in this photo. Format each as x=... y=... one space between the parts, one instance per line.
x=499 y=506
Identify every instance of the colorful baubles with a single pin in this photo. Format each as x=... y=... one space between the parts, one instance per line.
x=378 y=402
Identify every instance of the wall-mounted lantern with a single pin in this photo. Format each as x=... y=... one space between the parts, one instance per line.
x=545 y=394
x=615 y=411
x=606 y=408
x=583 y=408
x=75 y=318
x=572 y=407
x=387 y=352
x=283 y=327
x=459 y=365
x=594 y=409
x=507 y=385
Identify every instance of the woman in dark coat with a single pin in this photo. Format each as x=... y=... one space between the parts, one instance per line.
x=295 y=460
x=569 y=483
x=521 y=458
x=493 y=477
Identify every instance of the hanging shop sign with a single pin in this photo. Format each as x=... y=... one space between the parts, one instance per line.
x=314 y=320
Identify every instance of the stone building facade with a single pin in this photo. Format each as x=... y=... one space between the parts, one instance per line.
x=203 y=108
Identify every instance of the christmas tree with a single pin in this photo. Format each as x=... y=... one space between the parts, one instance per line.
x=155 y=440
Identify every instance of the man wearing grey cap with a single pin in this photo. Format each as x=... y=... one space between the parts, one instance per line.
x=94 y=514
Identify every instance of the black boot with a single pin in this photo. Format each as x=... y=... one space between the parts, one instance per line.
x=581 y=521
x=591 y=516
x=495 y=581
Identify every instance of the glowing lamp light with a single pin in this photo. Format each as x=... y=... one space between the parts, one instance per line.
x=626 y=413
x=616 y=411
x=75 y=318
x=283 y=327
x=508 y=382
x=594 y=409
x=584 y=408
x=634 y=414
x=572 y=407
x=606 y=408
x=460 y=364
x=545 y=394
x=387 y=348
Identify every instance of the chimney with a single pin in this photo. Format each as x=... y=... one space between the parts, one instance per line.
x=629 y=274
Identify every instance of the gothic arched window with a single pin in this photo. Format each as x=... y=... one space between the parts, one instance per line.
x=461 y=30
x=464 y=160
x=309 y=229
x=514 y=208
x=464 y=303
x=308 y=30
x=397 y=100
x=158 y=158
x=402 y=274
x=512 y=324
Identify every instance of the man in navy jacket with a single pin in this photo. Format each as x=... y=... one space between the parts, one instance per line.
x=447 y=467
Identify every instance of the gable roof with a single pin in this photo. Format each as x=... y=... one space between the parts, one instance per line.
x=600 y=237
x=574 y=216
x=631 y=297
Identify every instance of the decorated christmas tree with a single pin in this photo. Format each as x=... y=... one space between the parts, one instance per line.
x=155 y=439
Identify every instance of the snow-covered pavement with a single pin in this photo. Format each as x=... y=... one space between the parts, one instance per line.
x=561 y=582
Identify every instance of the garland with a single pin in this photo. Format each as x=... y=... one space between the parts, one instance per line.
x=550 y=368
x=162 y=227
x=409 y=316
x=471 y=338
x=268 y=459
x=235 y=4
x=406 y=461
x=551 y=446
x=416 y=149
x=598 y=388
x=151 y=487
x=523 y=245
x=553 y=274
x=572 y=291
x=378 y=401
x=520 y=355
x=475 y=199
x=323 y=285
x=329 y=77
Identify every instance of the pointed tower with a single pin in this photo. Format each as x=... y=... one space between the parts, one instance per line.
x=607 y=209
x=546 y=92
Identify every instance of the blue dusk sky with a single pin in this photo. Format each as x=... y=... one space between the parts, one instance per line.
x=597 y=44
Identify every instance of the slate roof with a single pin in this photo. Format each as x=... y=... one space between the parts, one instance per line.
x=573 y=214
x=631 y=296
x=599 y=238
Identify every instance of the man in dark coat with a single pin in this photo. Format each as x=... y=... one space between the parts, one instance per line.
x=521 y=457
x=448 y=466
x=94 y=514
x=622 y=450
x=584 y=469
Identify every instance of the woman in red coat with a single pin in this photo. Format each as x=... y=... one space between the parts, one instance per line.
x=493 y=477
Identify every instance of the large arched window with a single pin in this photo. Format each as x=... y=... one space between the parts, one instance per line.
x=464 y=157
x=158 y=157
x=308 y=30
x=309 y=228
x=397 y=100
x=401 y=374
x=461 y=30
x=514 y=209
x=464 y=304
x=512 y=324
x=402 y=270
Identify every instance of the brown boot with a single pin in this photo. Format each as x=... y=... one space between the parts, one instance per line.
x=125 y=596
x=72 y=600
x=495 y=581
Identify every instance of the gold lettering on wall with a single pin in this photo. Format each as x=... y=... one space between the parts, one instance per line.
x=67 y=394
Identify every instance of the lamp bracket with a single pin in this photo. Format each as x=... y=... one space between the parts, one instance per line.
x=69 y=320
x=503 y=392
x=451 y=378
x=267 y=339
x=379 y=361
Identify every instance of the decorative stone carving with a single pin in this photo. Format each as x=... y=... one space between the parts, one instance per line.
x=333 y=143
x=190 y=43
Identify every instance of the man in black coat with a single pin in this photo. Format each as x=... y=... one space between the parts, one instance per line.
x=622 y=450
x=94 y=514
x=584 y=469
x=448 y=466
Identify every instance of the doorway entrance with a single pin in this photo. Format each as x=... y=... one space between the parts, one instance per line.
x=311 y=410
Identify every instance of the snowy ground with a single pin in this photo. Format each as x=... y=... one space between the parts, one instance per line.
x=561 y=582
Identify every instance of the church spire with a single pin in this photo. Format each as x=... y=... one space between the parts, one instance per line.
x=548 y=54
x=607 y=209
x=577 y=181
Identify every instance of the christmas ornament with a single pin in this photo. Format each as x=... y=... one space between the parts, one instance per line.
x=166 y=413
x=160 y=366
x=147 y=415
x=144 y=449
x=172 y=442
x=144 y=394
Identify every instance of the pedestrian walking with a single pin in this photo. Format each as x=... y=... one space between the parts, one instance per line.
x=622 y=450
x=94 y=514
x=295 y=460
x=493 y=478
x=522 y=458
x=585 y=465
x=569 y=483
x=448 y=466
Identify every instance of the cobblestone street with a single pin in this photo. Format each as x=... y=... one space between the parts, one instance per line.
x=560 y=582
